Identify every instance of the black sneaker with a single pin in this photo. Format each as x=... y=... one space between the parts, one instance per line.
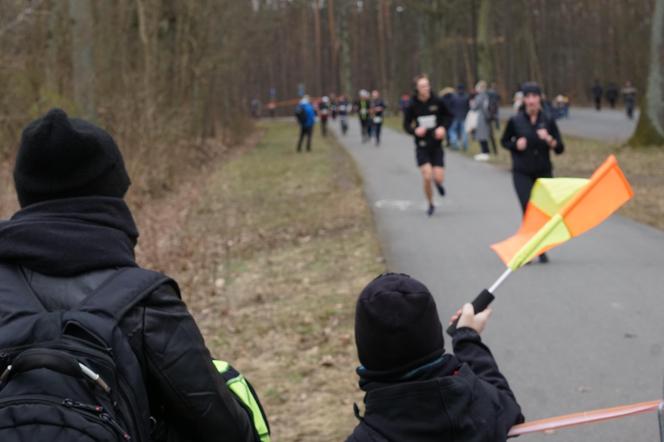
x=431 y=209
x=543 y=259
x=441 y=189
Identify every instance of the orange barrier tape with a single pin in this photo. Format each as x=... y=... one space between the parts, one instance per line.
x=292 y=102
x=584 y=417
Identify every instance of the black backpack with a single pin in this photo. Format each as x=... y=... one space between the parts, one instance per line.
x=72 y=375
x=300 y=115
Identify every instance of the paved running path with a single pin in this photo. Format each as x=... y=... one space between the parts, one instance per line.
x=607 y=125
x=583 y=332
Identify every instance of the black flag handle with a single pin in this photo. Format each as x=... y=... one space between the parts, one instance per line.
x=480 y=303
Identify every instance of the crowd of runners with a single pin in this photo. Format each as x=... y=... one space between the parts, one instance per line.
x=450 y=118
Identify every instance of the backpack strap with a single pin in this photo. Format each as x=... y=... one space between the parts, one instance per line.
x=123 y=290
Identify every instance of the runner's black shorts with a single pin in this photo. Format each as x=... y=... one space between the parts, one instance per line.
x=428 y=152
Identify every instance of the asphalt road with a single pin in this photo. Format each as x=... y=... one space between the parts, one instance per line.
x=582 y=332
x=606 y=125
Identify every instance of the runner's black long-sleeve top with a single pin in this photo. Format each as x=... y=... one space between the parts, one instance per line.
x=536 y=159
x=417 y=109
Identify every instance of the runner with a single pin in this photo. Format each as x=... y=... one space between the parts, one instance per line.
x=629 y=97
x=530 y=136
x=333 y=106
x=362 y=106
x=324 y=114
x=343 y=108
x=377 y=109
x=426 y=118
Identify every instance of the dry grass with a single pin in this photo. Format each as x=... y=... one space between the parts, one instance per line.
x=271 y=261
x=8 y=202
x=641 y=165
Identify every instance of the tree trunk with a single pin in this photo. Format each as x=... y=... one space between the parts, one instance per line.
x=334 y=46
x=318 y=68
x=52 y=79
x=381 y=41
x=344 y=65
x=484 y=63
x=80 y=13
x=650 y=129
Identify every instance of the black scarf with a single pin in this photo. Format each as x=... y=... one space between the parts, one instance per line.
x=67 y=237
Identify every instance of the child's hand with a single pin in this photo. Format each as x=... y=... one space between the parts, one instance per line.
x=467 y=318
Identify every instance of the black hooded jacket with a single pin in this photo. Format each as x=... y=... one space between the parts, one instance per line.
x=66 y=249
x=461 y=397
x=536 y=159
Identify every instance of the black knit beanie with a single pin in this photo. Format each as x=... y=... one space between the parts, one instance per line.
x=531 y=87
x=396 y=325
x=62 y=157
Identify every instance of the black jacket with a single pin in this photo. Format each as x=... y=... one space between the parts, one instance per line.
x=67 y=248
x=377 y=108
x=416 y=109
x=536 y=159
x=463 y=398
x=460 y=105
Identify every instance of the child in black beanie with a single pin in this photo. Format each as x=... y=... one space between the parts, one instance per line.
x=415 y=392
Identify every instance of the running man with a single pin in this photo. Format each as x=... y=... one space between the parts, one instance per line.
x=426 y=118
x=377 y=109
x=323 y=114
x=343 y=109
x=363 y=108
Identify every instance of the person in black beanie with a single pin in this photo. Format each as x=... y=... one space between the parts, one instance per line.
x=415 y=391
x=73 y=235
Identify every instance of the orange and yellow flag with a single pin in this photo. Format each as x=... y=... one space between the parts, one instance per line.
x=562 y=208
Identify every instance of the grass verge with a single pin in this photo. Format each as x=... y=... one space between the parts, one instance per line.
x=273 y=257
x=582 y=156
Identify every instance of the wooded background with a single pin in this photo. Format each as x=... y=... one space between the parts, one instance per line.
x=344 y=45
x=153 y=70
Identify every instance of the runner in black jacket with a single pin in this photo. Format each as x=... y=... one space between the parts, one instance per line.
x=530 y=136
x=377 y=110
x=427 y=118
x=75 y=231
x=363 y=109
x=415 y=391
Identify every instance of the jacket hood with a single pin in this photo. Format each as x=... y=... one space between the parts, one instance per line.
x=70 y=236
x=418 y=409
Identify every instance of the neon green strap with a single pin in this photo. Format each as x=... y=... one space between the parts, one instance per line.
x=240 y=387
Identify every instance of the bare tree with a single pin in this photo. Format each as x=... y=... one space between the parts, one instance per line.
x=650 y=129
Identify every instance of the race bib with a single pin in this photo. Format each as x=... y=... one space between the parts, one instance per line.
x=427 y=121
x=378 y=120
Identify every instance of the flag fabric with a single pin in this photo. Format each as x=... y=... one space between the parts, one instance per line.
x=562 y=208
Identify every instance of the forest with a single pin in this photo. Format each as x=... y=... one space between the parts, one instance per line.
x=170 y=70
